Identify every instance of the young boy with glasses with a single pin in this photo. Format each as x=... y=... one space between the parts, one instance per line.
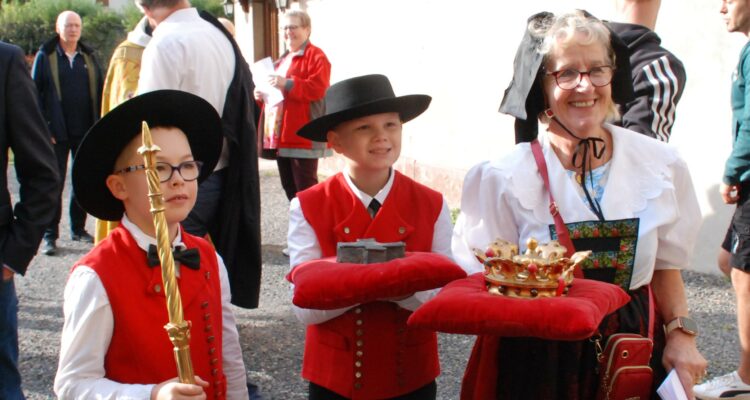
x=113 y=342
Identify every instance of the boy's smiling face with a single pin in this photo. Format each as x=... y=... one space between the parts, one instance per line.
x=132 y=189
x=371 y=143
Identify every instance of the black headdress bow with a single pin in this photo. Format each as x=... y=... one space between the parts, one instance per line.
x=524 y=97
x=190 y=258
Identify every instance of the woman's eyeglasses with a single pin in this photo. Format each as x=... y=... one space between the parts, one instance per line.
x=568 y=79
x=290 y=27
x=188 y=170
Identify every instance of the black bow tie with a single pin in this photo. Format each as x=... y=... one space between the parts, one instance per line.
x=190 y=258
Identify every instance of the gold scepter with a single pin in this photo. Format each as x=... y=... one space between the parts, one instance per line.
x=178 y=329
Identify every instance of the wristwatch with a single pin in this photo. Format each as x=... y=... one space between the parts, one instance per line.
x=686 y=324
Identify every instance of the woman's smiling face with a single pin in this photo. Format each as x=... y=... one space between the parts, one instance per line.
x=584 y=108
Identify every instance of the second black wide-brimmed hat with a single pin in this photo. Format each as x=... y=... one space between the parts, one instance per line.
x=103 y=143
x=359 y=97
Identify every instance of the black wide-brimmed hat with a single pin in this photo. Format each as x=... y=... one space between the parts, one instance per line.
x=524 y=97
x=103 y=143
x=359 y=97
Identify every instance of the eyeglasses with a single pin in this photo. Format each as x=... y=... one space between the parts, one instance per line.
x=568 y=79
x=188 y=170
x=290 y=27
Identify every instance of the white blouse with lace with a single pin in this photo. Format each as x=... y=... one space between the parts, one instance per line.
x=647 y=179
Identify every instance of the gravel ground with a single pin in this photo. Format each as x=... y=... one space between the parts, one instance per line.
x=272 y=339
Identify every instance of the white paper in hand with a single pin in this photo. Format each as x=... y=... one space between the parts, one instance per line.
x=671 y=388
x=261 y=70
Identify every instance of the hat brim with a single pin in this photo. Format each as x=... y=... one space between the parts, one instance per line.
x=103 y=143
x=408 y=107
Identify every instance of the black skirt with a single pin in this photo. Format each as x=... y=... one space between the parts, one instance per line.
x=567 y=370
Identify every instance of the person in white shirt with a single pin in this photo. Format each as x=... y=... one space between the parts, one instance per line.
x=193 y=52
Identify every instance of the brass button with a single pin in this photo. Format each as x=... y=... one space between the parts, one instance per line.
x=206 y=316
x=204 y=304
x=357 y=385
x=208 y=328
x=357 y=374
x=208 y=275
x=214 y=361
x=214 y=372
x=358 y=310
x=359 y=322
x=359 y=353
x=401 y=230
x=359 y=332
x=346 y=230
x=157 y=288
x=358 y=364
x=212 y=350
x=210 y=339
x=360 y=343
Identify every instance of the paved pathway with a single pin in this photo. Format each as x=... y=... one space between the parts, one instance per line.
x=271 y=337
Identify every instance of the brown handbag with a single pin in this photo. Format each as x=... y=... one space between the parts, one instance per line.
x=624 y=370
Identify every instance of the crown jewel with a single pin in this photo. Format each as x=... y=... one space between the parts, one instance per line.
x=542 y=271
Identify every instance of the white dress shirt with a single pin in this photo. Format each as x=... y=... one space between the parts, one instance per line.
x=648 y=180
x=187 y=53
x=88 y=328
x=304 y=246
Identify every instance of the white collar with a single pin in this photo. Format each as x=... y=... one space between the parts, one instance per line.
x=180 y=16
x=366 y=198
x=138 y=35
x=143 y=240
x=640 y=170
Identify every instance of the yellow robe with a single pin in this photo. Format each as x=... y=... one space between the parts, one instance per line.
x=120 y=85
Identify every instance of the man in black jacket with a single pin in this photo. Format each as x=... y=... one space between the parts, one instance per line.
x=22 y=130
x=69 y=83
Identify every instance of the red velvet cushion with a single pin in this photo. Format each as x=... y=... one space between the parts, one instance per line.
x=465 y=307
x=325 y=284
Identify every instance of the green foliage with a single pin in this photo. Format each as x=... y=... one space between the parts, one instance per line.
x=104 y=31
x=30 y=23
x=131 y=15
x=454 y=214
x=213 y=7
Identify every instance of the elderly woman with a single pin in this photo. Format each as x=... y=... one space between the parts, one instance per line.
x=598 y=173
x=303 y=74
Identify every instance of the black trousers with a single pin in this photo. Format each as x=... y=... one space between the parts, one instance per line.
x=203 y=217
x=77 y=214
x=297 y=174
x=427 y=392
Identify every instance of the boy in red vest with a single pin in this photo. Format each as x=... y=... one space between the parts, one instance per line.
x=366 y=351
x=113 y=341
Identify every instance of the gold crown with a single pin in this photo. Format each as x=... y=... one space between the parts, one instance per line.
x=542 y=271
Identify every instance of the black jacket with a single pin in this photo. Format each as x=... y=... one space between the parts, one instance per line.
x=237 y=235
x=22 y=130
x=49 y=97
x=658 y=81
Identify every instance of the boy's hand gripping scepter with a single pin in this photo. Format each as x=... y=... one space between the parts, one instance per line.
x=178 y=329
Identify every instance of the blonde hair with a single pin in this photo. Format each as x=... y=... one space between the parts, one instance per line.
x=575 y=28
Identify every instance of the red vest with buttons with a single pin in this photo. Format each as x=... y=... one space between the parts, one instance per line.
x=140 y=351
x=369 y=352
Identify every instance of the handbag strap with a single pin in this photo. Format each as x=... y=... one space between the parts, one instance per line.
x=563 y=235
x=651 y=312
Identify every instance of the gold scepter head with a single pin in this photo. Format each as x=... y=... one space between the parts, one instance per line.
x=178 y=329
